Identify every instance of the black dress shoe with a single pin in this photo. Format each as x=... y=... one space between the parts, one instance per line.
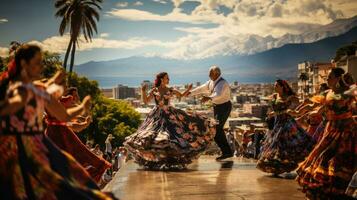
x=224 y=156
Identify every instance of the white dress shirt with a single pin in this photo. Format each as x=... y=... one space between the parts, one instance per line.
x=219 y=94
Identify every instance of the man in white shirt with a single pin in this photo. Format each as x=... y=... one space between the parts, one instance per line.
x=218 y=91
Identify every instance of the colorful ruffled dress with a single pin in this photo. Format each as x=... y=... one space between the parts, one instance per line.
x=68 y=141
x=31 y=166
x=352 y=187
x=286 y=145
x=317 y=123
x=169 y=137
x=327 y=171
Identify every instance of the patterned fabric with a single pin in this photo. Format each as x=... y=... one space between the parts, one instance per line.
x=328 y=169
x=68 y=141
x=286 y=145
x=317 y=123
x=352 y=187
x=169 y=137
x=31 y=166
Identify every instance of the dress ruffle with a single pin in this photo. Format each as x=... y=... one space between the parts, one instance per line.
x=286 y=146
x=170 y=137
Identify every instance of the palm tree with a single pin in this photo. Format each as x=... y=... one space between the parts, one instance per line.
x=303 y=77
x=77 y=16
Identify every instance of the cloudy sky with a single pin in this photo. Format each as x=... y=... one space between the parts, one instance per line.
x=180 y=29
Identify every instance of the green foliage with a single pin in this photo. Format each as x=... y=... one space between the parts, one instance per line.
x=109 y=116
x=52 y=62
x=303 y=77
x=84 y=85
x=346 y=50
x=112 y=117
x=2 y=65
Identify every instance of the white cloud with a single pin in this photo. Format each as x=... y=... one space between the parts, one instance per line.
x=138 y=3
x=250 y=26
x=59 y=43
x=249 y=16
x=3 y=20
x=175 y=16
x=122 y=4
x=104 y=35
x=160 y=1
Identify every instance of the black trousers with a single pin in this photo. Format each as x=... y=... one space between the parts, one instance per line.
x=221 y=113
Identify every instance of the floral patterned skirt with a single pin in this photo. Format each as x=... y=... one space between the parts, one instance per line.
x=329 y=167
x=286 y=146
x=170 y=137
x=352 y=187
x=67 y=140
x=318 y=132
x=32 y=167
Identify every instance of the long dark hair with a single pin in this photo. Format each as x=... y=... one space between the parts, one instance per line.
x=70 y=91
x=323 y=87
x=25 y=52
x=287 y=90
x=345 y=79
x=159 y=76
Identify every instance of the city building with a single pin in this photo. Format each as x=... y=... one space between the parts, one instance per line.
x=243 y=97
x=256 y=110
x=349 y=64
x=239 y=121
x=123 y=92
x=310 y=76
x=149 y=84
x=107 y=92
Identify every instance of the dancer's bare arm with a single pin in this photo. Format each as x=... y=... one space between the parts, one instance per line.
x=80 y=126
x=146 y=98
x=56 y=109
x=13 y=104
x=184 y=94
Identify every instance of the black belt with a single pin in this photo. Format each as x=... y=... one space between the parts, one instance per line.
x=222 y=104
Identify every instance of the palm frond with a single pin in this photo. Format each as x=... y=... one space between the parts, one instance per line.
x=89 y=19
x=63 y=26
x=93 y=12
x=90 y=3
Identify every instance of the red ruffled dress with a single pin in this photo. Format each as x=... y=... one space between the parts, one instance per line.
x=68 y=141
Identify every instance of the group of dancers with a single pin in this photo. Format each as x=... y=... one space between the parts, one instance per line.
x=42 y=157
x=317 y=138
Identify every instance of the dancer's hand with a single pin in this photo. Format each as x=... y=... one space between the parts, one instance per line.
x=86 y=103
x=189 y=87
x=144 y=87
x=205 y=99
x=88 y=119
x=59 y=77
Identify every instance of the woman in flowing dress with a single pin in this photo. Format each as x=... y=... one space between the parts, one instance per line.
x=169 y=137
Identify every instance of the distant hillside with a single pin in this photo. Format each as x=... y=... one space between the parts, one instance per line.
x=261 y=67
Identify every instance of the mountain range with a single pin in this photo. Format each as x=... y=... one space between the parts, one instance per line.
x=280 y=61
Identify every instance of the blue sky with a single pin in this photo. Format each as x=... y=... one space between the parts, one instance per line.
x=176 y=29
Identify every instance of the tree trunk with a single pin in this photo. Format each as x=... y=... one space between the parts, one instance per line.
x=67 y=54
x=72 y=56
